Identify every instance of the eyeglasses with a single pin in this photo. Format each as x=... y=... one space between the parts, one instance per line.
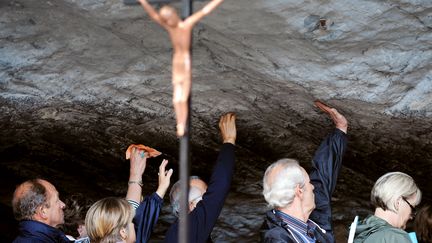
x=413 y=209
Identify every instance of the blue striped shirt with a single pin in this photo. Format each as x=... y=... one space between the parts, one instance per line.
x=301 y=231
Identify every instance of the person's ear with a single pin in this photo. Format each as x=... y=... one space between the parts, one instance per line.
x=81 y=230
x=192 y=206
x=397 y=204
x=41 y=212
x=123 y=233
x=299 y=192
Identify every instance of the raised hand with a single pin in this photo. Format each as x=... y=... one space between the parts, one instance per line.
x=227 y=127
x=338 y=119
x=164 y=178
x=138 y=161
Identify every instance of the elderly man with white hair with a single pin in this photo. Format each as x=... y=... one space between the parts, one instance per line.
x=301 y=203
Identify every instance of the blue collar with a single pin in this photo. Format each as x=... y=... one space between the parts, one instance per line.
x=305 y=231
x=34 y=230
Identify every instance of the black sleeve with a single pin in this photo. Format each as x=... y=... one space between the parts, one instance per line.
x=326 y=166
x=203 y=218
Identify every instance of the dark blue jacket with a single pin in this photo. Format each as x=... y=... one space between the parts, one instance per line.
x=326 y=164
x=37 y=232
x=203 y=218
x=146 y=216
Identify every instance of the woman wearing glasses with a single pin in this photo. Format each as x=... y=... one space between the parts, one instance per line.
x=394 y=197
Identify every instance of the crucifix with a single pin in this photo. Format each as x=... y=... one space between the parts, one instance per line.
x=180 y=32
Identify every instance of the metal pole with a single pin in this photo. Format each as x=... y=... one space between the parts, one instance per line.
x=184 y=185
x=184 y=156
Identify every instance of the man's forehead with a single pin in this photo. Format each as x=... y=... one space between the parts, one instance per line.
x=48 y=186
x=198 y=183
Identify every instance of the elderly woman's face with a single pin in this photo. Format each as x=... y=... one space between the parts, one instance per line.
x=405 y=211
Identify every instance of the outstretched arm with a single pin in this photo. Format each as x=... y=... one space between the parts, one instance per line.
x=204 y=216
x=138 y=162
x=147 y=214
x=151 y=12
x=326 y=166
x=193 y=19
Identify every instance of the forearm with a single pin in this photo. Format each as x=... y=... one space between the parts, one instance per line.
x=161 y=192
x=211 y=6
x=328 y=160
x=224 y=168
x=146 y=217
x=193 y=19
x=326 y=166
x=134 y=188
x=150 y=10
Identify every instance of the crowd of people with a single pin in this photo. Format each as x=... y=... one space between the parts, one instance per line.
x=300 y=202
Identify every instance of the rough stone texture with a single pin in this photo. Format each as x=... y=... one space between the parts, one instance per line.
x=82 y=79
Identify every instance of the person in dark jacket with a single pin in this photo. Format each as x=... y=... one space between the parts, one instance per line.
x=302 y=203
x=205 y=203
x=146 y=211
x=36 y=204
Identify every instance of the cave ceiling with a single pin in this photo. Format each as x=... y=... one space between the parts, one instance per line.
x=80 y=80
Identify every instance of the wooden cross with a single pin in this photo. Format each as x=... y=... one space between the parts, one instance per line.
x=180 y=32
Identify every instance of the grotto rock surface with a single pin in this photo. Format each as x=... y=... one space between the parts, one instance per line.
x=82 y=79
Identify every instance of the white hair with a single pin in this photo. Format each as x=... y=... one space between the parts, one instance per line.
x=391 y=187
x=175 y=195
x=279 y=188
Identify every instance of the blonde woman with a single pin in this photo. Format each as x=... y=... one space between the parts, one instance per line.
x=395 y=196
x=113 y=220
x=110 y=221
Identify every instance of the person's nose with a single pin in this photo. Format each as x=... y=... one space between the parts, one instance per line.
x=62 y=205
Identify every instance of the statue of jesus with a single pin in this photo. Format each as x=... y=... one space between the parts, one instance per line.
x=180 y=32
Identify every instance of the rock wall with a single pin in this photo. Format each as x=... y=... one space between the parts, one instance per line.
x=81 y=80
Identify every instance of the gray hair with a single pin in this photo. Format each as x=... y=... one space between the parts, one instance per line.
x=25 y=205
x=279 y=189
x=391 y=187
x=175 y=195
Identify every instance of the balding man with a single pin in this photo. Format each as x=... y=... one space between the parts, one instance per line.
x=36 y=204
x=302 y=203
x=205 y=203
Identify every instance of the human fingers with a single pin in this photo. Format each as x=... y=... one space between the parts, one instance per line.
x=169 y=174
x=323 y=106
x=163 y=165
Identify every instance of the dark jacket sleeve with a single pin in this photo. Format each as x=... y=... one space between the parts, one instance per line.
x=203 y=218
x=146 y=216
x=326 y=165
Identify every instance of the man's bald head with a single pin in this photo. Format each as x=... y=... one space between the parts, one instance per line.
x=27 y=197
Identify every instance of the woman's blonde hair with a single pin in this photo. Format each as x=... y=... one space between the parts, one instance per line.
x=391 y=187
x=106 y=218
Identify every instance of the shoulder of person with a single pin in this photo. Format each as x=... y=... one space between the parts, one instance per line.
x=390 y=234
x=277 y=234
